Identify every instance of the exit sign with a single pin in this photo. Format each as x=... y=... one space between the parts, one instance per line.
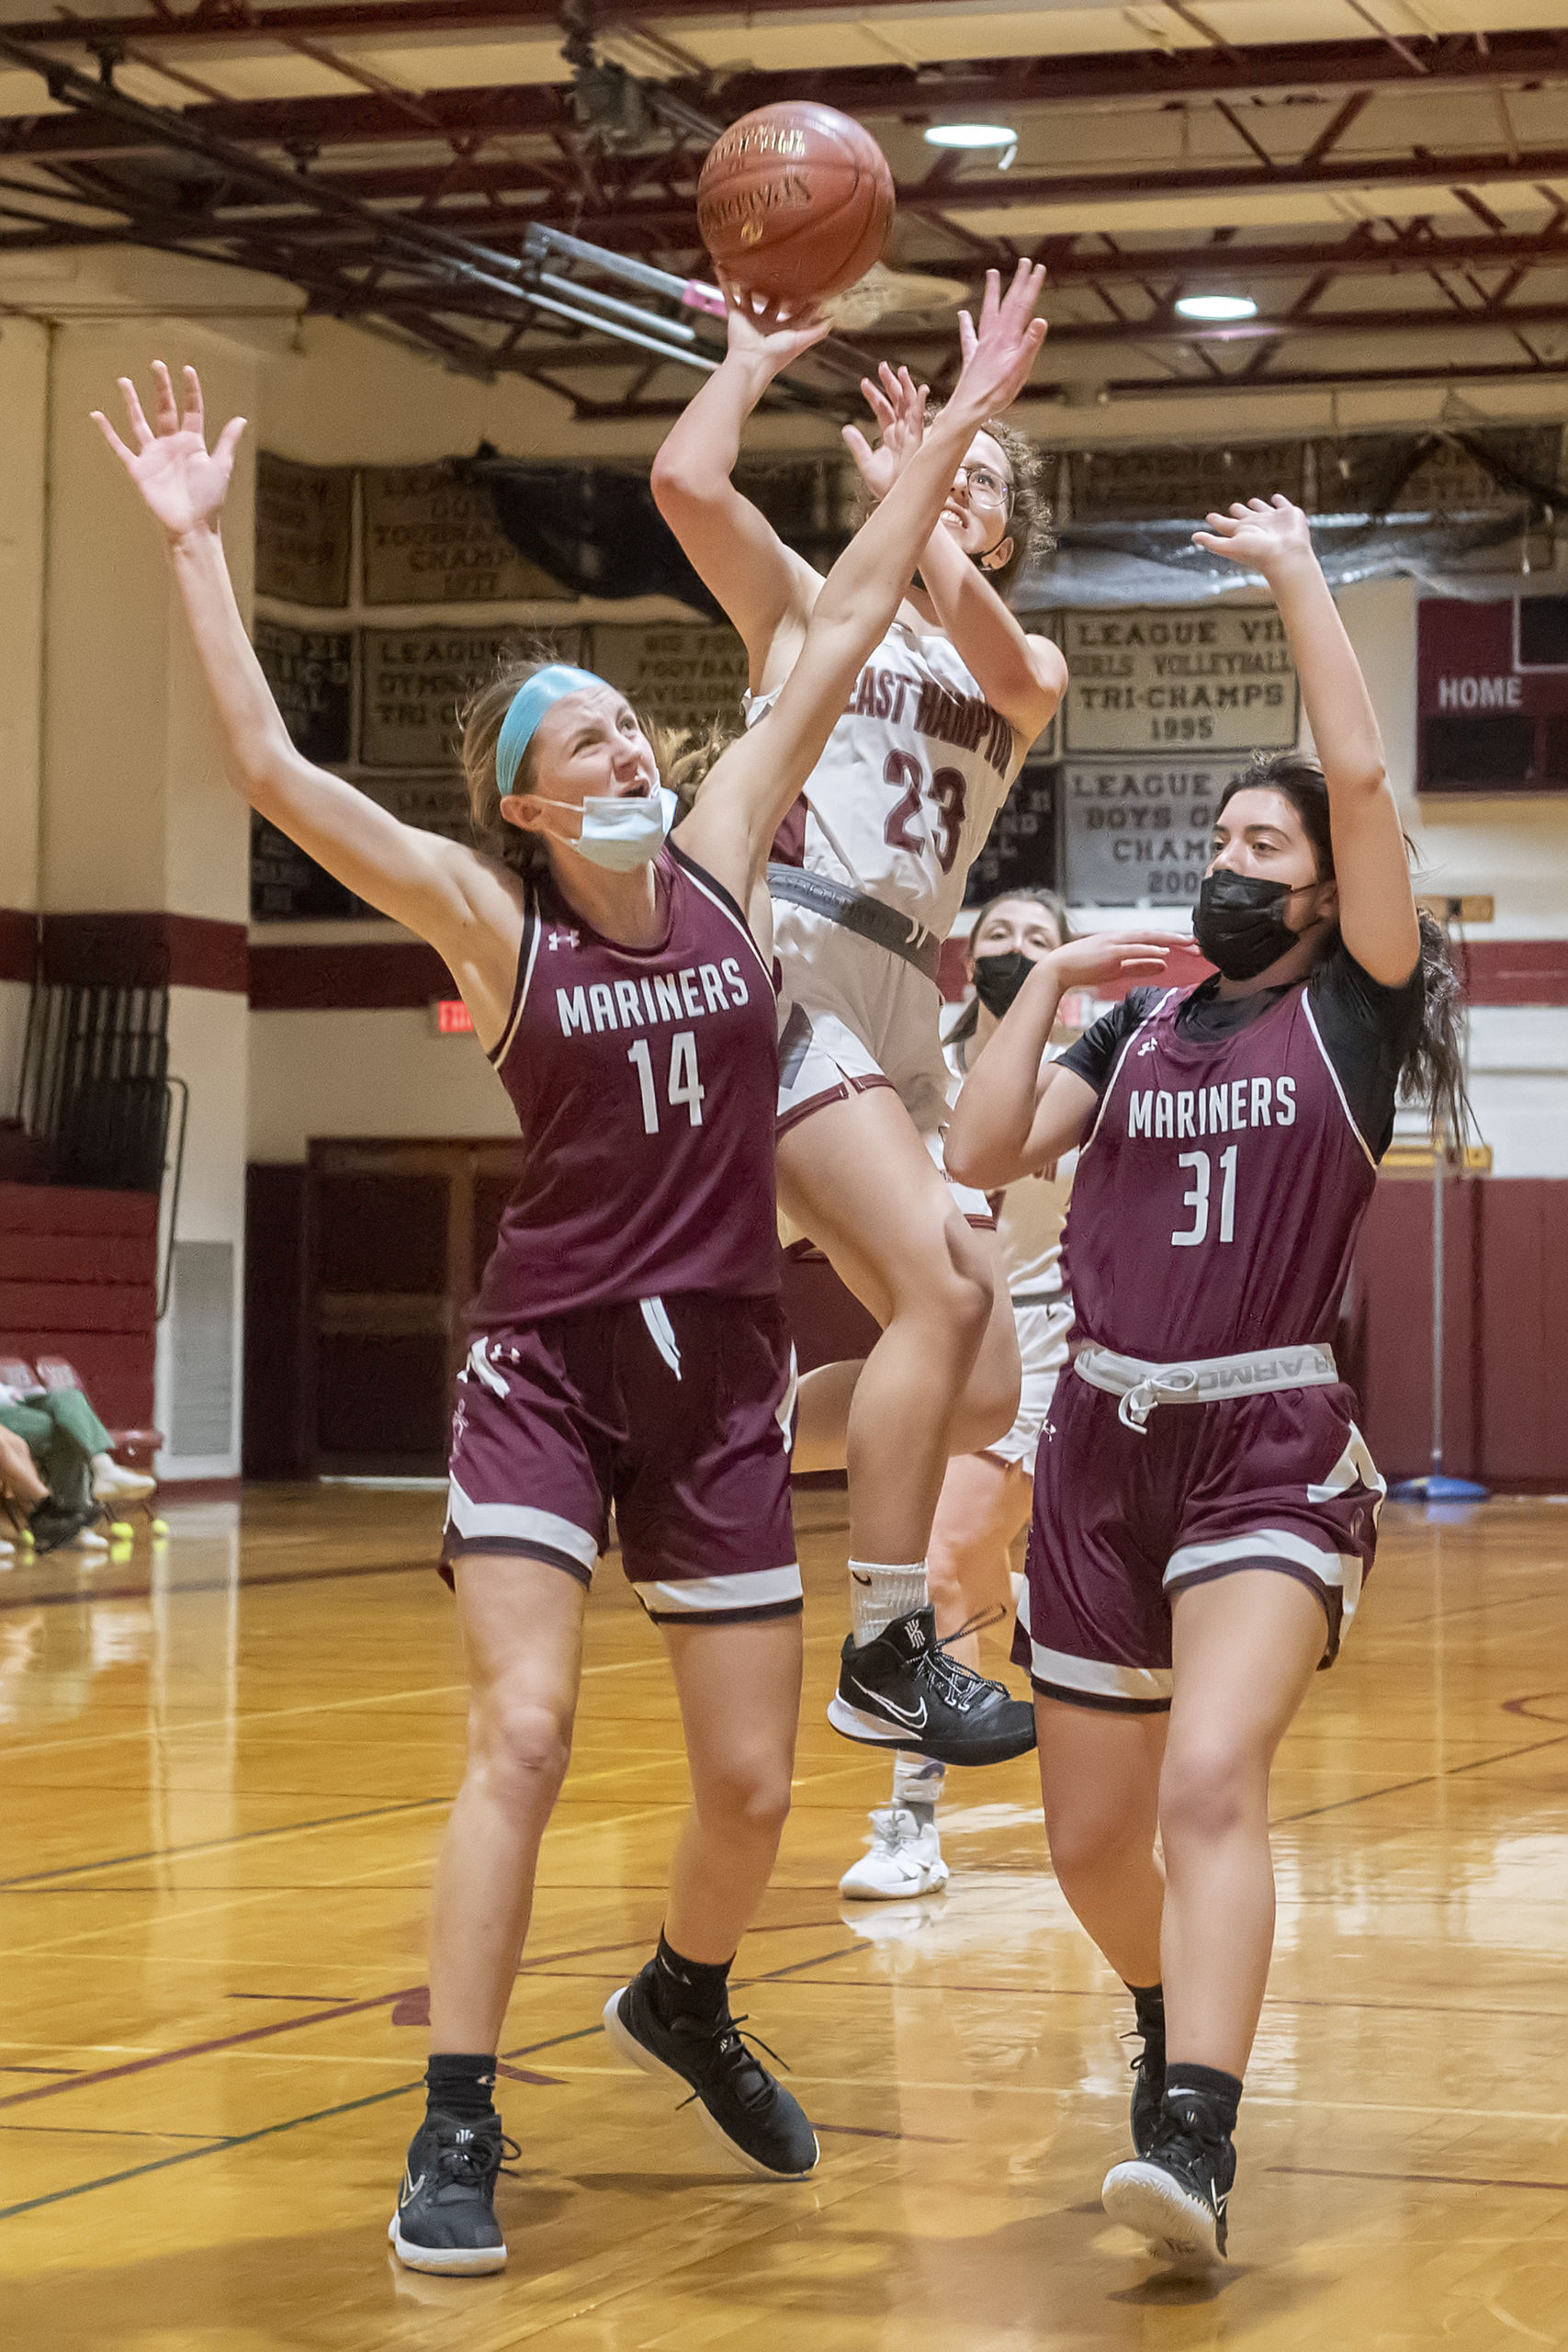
x=453 y=1018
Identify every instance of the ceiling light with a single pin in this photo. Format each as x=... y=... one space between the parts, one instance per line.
x=970 y=134
x=1214 y=305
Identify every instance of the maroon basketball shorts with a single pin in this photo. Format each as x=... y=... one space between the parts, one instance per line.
x=676 y=1411
x=1123 y=1520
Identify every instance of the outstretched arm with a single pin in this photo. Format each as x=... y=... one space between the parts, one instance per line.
x=757 y=779
x=767 y=590
x=452 y=896
x=1017 y=1112
x=1025 y=677
x=1372 y=864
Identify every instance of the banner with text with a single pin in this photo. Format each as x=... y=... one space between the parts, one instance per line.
x=1172 y=682
x=1134 y=832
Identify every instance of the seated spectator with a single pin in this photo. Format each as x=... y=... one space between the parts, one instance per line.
x=80 y=1477
x=19 y=1481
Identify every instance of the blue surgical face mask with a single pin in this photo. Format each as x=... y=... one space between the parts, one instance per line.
x=621 y=831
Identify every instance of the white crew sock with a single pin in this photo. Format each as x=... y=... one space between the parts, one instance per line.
x=879 y=1594
x=917 y=1782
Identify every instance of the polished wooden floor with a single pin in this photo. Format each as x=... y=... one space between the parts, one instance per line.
x=224 y=1770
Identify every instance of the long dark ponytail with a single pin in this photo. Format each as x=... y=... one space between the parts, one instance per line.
x=1433 y=1070
x=968 y=1019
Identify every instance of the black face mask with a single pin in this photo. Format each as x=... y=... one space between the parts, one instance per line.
x=1240 y=924
x=998 y=979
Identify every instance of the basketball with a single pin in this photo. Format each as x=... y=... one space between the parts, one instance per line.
x=794 y=201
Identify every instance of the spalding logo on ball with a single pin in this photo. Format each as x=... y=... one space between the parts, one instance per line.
x=794 y=201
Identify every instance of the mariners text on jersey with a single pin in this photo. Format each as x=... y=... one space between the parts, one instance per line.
x=1158 y=1111
x=967 y=722
x=685 y=995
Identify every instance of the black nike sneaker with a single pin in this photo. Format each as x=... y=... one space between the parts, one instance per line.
x=1176 y=2193
x=446 y=2216
x=1148 y=2088
x=905 y=1689
x=738 y=2100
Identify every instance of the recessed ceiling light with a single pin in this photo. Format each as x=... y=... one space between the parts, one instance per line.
x=970 y=134
x=1216 y=306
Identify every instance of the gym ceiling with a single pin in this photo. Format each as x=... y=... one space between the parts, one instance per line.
x=1387 y=180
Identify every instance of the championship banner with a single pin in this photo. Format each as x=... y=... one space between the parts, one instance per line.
x=304 y=531
x=311 y=671
x=1155 y=681
x=683 y=677
x=1134 y=832
x=417 y=680
x=430 y=539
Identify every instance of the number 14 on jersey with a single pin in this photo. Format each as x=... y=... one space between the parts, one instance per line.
x=685 y=1089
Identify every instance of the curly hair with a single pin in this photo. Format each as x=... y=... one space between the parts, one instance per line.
x=683 y=755
x=1029 y=510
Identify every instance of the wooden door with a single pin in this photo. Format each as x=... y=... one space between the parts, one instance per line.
x=398 y=1237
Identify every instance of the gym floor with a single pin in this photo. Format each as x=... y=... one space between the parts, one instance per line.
x=225 y=1769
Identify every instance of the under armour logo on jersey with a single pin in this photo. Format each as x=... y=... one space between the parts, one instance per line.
x=561 y=939
x=1149 y=1045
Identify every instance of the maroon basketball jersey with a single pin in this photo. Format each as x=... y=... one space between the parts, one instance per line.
x=645 y=1083
x=1218 y=1196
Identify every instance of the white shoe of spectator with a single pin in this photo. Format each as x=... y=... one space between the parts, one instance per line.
x=113 y=1483
x=86 y=1539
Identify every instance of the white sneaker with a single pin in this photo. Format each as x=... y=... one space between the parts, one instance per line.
x=905 y=1860
x=86 y=1540
x=117 y=1485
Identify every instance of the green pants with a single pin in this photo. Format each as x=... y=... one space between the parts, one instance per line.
x=62 y=1432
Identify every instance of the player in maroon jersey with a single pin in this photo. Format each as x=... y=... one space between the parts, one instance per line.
x=627 y=1345
x=1205 y=1510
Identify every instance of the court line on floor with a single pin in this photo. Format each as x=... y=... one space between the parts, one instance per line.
x=1419 y=2179
x=215 y=1845
x=1425 y=1781
x=176 y=1588
x=268 y=2130
x=330 y=2015
x=245 y=1718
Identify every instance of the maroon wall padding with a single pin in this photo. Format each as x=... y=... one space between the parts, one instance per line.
x=381 y=975
x=275 y=1439
x=78 y=1279
x=144 y=951
x=1505 y=1314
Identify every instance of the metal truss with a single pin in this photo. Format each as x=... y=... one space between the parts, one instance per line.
x=484 y=223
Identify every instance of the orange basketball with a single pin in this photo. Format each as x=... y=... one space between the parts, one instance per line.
x=794 y=201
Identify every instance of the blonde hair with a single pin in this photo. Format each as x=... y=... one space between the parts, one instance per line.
x=683 y=757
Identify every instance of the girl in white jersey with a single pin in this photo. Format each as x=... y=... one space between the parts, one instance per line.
x=930 y=740
x=984 y=1495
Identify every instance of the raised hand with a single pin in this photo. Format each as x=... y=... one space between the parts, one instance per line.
x=1109 y=956
x=898 y=405
x=759 y=330
x=1265 y=535
x=183 y=481
x=1000 y=353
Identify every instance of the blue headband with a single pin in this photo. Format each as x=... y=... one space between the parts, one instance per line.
x=528 y=706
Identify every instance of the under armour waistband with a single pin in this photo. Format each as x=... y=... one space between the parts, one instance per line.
x=853 y=911
x=1204 y=1380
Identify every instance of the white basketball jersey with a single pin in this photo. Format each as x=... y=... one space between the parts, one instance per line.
x=1029 y=1218
x=899 y=805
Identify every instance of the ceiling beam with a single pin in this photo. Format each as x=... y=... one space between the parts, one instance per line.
x=1314 y=68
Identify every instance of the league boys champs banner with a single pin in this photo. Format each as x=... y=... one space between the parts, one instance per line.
x=1164 y=709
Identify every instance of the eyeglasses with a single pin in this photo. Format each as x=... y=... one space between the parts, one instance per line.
x=985 y=488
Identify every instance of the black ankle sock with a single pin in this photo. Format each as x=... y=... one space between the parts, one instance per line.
x=460 y=2086
x=1149 y=2001
x=1222 y=2091
x=688 y=1988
